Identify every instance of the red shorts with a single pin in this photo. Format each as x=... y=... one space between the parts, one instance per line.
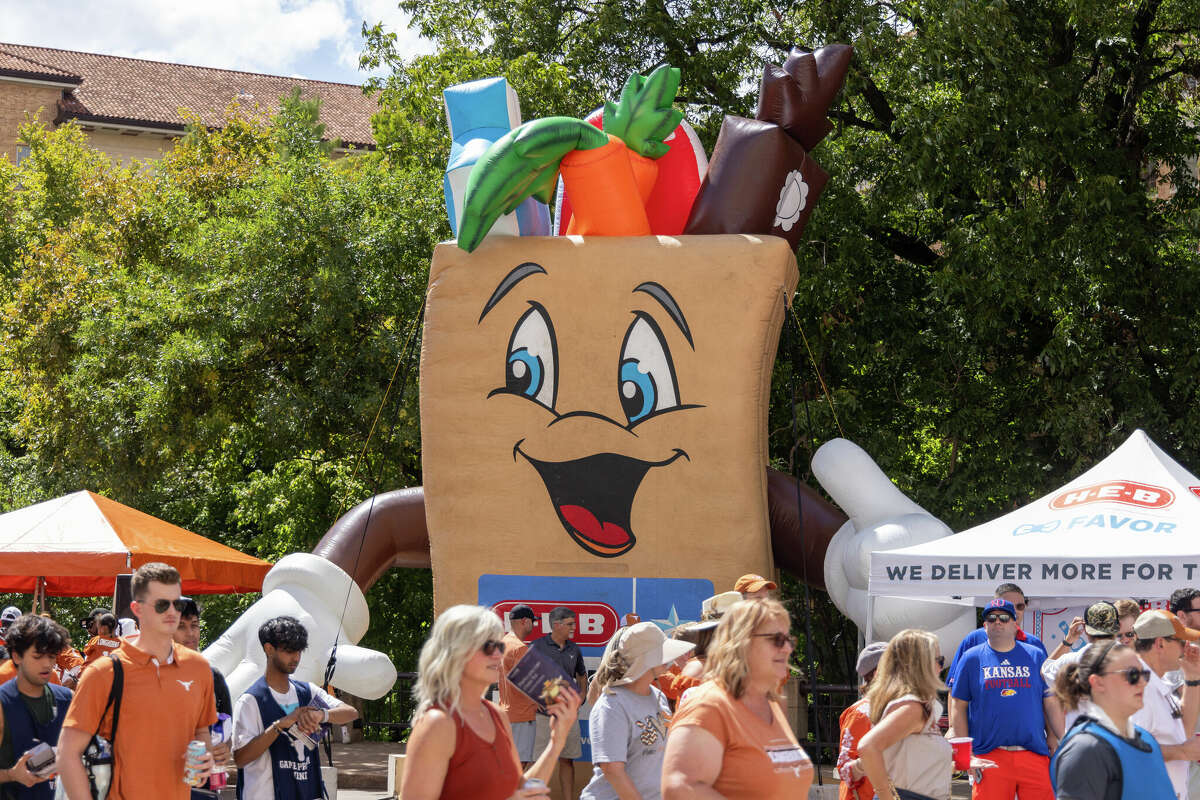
x=1018 y=773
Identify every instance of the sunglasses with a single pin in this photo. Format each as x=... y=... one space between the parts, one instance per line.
x=998 y=618
x=491 y=646
x=1129 y=637
x=941 y=662
x=162 y=604
x=779 y=640
x=1133 y=675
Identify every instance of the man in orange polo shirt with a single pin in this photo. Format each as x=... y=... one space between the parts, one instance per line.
x=520 y=709
x=167 y=701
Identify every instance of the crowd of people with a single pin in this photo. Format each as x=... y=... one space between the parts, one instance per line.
x=1110 y=714
x=1115 y=718
x=697 y=715
x=125 y=716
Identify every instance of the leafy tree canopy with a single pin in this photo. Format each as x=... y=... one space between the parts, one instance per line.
x=208 y=338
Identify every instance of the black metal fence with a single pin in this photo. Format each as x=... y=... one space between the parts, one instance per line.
x=389 y=719
x=825 y=704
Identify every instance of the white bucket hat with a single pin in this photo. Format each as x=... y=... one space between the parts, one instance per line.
x=642 y=647
x=716 y=606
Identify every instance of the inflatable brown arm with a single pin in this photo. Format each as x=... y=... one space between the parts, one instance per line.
x=390 y=530
x=379 y=533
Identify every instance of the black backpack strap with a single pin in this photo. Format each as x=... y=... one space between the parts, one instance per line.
x=114 y=697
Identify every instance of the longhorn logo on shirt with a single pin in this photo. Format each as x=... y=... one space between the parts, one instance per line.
x=187 y=685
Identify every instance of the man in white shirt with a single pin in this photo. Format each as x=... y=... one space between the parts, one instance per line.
x=1163 y=643
x=1102 y=621
x=274 y=717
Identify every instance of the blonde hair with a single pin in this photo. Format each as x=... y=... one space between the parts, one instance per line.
x=907 y=667
x=1127 y=608
x=456 y=636
x=728 y=661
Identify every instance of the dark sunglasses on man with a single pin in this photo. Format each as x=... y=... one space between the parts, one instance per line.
x=162 y=604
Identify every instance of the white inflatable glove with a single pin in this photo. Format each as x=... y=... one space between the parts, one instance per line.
x=881 y=518
x=314 y=591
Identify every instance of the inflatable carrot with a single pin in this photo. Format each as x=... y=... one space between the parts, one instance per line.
x=609 y=174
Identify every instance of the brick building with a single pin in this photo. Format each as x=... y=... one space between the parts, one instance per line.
x=130 y=107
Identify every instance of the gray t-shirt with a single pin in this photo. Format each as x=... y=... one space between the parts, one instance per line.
x=630 y=728
x=1087 y=768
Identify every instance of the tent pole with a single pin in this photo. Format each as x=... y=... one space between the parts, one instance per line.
x=870 y=618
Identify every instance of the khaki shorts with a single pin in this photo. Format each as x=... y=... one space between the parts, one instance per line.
x=573 y=749
x=523 y=736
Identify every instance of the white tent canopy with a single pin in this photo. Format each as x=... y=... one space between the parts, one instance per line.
x=1128 y=527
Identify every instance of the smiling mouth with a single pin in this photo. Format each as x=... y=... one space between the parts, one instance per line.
x=593 y=497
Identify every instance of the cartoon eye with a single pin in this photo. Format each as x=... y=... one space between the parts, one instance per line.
x=647 y=377
x=531 y=366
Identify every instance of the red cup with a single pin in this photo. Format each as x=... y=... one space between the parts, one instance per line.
x=961 y=748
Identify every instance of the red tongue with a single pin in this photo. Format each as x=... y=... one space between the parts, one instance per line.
x=585 y=522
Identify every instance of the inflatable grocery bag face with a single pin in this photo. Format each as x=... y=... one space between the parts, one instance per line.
x=596 y=406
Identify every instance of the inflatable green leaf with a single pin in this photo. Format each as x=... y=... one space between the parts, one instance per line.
x=643 y=115
x=522 y=163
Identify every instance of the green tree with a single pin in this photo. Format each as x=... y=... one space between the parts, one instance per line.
x=209 y=338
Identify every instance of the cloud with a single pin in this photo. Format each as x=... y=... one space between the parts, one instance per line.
x=318 y=38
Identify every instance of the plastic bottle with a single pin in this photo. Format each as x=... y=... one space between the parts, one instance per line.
x=218 y=778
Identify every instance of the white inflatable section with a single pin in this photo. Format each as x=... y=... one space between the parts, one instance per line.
x=314 y=591
x=881 y=518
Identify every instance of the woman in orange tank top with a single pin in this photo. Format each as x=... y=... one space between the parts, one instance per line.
x=729 y=738
x=461 y=746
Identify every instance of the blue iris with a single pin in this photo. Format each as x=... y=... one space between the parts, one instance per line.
x=524 y=373
x=638 y=393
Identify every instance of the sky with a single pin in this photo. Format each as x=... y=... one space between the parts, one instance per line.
x=317 y=39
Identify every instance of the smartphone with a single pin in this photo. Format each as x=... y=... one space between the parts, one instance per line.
x=41 y=759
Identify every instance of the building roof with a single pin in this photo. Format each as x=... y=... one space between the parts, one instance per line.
x=15 y=66
x=133 y=91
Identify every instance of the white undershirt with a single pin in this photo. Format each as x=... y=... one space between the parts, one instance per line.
x=247 y=724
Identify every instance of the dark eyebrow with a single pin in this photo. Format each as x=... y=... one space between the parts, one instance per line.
x=510 y=280
x=660 y=294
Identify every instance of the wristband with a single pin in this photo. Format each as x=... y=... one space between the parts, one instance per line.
x=1192 y=683
x=1069 y=643
x=325 y=711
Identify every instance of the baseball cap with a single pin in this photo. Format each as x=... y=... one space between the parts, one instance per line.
x=521 y=611
x=97 y=611
x=868 y=658
x=1000 y=604
x=753 y=583
x=1100 y=619
x=1157 y=623
x=9 y=614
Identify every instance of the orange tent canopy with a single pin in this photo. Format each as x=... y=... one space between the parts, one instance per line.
x=80 y=542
